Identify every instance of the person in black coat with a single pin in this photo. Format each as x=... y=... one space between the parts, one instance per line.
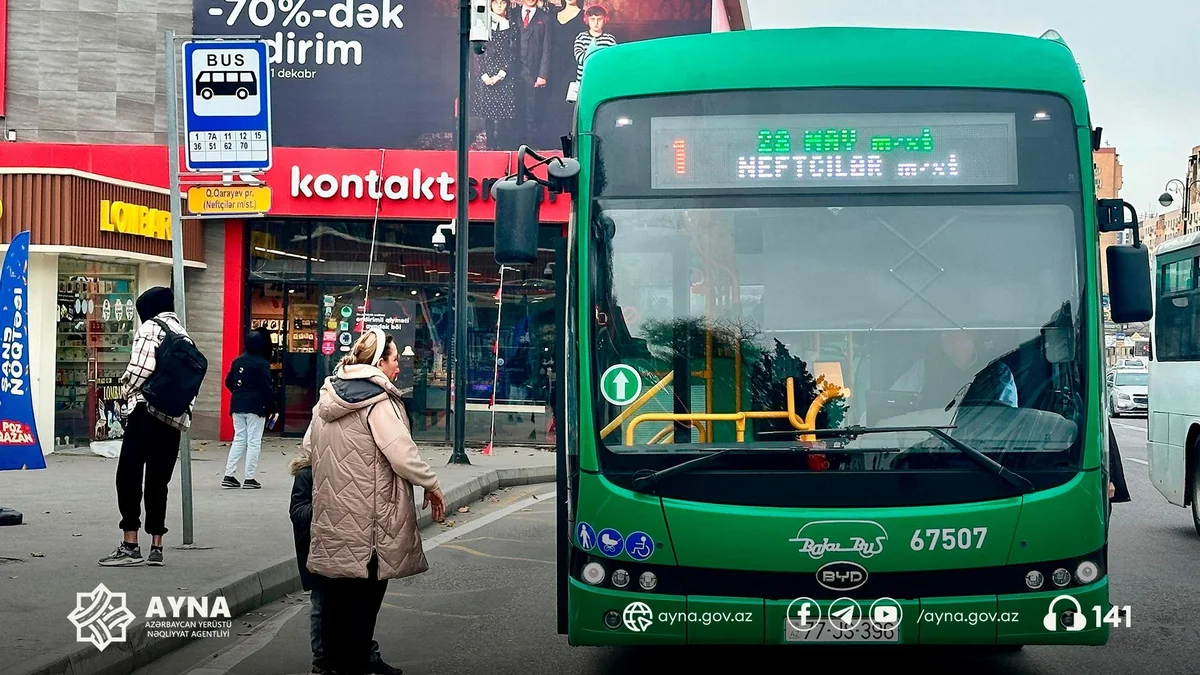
x=300 y=511
x=251 y=403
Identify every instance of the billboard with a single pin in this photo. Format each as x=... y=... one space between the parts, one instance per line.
x=384 y=73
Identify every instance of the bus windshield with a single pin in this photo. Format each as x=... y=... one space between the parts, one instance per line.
x=741 y=300
x=918 y=315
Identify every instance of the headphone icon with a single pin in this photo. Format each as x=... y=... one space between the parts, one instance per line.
x=1078 y=622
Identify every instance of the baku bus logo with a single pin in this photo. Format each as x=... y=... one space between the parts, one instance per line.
x=864 y=537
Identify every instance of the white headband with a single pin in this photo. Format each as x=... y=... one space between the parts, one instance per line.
x=380 y=343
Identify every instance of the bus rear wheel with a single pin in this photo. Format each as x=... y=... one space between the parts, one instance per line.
x=242 y=93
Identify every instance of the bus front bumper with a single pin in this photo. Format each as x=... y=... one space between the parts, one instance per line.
x=602 y=617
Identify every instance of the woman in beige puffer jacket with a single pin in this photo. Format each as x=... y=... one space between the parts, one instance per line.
x=364 y=519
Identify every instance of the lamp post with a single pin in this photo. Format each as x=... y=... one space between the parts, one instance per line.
x=463 y=227
x=1183 y=188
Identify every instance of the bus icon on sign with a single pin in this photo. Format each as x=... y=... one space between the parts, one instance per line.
x=227 y=83
x=242 y=84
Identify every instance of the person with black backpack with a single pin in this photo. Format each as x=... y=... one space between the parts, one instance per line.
x=160 y=385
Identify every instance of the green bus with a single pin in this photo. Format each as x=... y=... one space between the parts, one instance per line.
x=832 y=365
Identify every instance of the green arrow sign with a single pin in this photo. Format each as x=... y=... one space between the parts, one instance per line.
x=621 y=384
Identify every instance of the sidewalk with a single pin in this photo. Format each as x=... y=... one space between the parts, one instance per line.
x=243 y=545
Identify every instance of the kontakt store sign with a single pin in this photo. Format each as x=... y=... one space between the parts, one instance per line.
x=405 y=184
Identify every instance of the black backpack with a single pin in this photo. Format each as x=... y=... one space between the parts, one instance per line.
x=177 y=376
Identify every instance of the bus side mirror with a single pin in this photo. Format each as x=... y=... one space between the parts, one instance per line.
x=1129 y=291
x=1110 y=215
x=518 y=206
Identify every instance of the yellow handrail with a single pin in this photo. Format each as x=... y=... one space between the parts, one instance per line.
x=665 y=432
x=740 y=418
x=637 y=405
x=828 y=392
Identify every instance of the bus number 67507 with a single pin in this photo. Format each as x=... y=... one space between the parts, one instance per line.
x=948 y=538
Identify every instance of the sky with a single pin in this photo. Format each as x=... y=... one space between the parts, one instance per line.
x=1141 y=63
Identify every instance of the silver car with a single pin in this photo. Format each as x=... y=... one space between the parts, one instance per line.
x=1127 y=392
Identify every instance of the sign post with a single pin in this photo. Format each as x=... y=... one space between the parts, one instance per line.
x=227 y=125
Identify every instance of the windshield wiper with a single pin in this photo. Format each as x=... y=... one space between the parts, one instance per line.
x=986 y=463
x=651 y=480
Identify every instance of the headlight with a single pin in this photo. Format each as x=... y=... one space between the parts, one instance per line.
x=1087 y=572
x=647 y=581
x=1034 y=580
x=593 y=573
x=1061 y=577
x=620 y=578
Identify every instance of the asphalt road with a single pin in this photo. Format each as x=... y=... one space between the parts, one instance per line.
x=487 y=607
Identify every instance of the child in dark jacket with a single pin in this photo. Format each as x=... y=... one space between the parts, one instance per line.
x=300 y=511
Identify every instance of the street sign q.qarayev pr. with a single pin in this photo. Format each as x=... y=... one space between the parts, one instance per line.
x=227 y=106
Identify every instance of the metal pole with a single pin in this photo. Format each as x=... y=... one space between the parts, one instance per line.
x=1187 y=190
x=185 y=443
x=463 y=227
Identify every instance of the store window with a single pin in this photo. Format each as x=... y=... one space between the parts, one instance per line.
x=318 y=314
x=279 y=250
x=97 y=321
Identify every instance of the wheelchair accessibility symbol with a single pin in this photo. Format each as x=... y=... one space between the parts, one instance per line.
x=639 y=545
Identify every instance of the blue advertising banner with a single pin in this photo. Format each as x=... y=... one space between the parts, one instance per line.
x=19 y=446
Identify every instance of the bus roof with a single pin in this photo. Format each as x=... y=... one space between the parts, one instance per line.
x=1178 y=243
x=833 y=57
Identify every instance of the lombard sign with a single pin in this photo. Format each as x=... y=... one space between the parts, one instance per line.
x=135 y=219
x=384 y=73
x=864 y=538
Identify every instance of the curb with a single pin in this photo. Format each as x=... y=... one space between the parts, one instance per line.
x=245 y=591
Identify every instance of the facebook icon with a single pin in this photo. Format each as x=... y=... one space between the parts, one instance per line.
x=803 y=614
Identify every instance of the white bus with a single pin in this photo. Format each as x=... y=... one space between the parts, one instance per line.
x=1173 y=419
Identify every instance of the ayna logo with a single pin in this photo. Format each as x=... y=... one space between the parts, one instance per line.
x=101 y=617
x=864 y=537
x=842 y=576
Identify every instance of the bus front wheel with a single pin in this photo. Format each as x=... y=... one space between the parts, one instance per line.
x=206 y=93
x=1194 y=485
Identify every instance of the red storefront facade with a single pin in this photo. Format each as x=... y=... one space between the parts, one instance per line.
x=324 y=202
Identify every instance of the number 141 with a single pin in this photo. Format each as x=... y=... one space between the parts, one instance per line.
x=1116 y=616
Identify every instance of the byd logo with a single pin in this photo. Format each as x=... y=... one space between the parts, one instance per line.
x=842 y=576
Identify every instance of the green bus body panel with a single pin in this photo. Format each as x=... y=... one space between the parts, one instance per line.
x=831 y=57
x=974 y=620
x=1019 y=530
x=606 y=506
x=1059 y=523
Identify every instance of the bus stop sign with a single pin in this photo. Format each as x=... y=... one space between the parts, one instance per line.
x=227 y=106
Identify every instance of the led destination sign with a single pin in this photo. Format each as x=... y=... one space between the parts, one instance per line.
x=822 y=151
